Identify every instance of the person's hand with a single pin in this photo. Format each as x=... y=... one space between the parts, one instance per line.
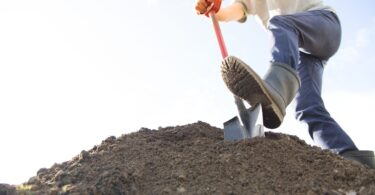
x=206 y=6
x=232 y=12
x=202 y=6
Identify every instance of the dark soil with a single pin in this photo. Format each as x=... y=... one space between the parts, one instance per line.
x=194 y=159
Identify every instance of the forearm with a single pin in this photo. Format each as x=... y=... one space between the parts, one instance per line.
x=233 y=12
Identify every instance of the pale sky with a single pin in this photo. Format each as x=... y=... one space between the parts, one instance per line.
x=73 y=73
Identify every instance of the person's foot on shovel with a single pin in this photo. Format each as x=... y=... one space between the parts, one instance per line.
x=274 y=92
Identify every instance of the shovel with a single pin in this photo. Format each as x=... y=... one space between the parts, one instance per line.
x=247 y=124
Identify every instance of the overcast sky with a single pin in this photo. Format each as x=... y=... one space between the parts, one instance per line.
x=73 y=73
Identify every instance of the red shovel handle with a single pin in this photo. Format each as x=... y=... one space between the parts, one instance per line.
x=219 y=36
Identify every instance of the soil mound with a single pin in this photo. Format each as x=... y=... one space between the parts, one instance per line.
x=194 y=159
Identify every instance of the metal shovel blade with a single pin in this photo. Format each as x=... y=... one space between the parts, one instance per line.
x=246 y=125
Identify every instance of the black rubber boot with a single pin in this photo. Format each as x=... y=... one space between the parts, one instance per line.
x=365 y=157
x=275 y=91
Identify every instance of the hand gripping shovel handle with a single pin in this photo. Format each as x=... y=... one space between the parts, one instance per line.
x=224 y=53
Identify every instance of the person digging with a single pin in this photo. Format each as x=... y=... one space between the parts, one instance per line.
x=306 y=34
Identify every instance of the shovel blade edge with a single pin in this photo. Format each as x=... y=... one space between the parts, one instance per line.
x=244 y=126
x=233 y=130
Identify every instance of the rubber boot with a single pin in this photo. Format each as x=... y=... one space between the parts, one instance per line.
x=365 y=157
x=275 y=91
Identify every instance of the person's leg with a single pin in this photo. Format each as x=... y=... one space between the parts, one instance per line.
x=315 y=32
x=310 y=108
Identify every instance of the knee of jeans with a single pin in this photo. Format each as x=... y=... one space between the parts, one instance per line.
x=279 y=22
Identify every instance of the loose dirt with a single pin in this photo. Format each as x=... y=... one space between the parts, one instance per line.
x=194 y=159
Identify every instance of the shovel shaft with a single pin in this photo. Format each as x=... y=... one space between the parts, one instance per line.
x=219 y=36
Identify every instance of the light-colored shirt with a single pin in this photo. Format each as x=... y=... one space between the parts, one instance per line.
x=264 y=10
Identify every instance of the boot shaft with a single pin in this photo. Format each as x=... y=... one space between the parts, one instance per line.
x=283 y=83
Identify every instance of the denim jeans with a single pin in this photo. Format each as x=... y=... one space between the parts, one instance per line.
x=306 y=41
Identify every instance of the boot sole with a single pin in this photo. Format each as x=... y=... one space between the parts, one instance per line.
x=246 y=84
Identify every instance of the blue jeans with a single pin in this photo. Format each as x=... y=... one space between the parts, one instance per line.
x=306 y=41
